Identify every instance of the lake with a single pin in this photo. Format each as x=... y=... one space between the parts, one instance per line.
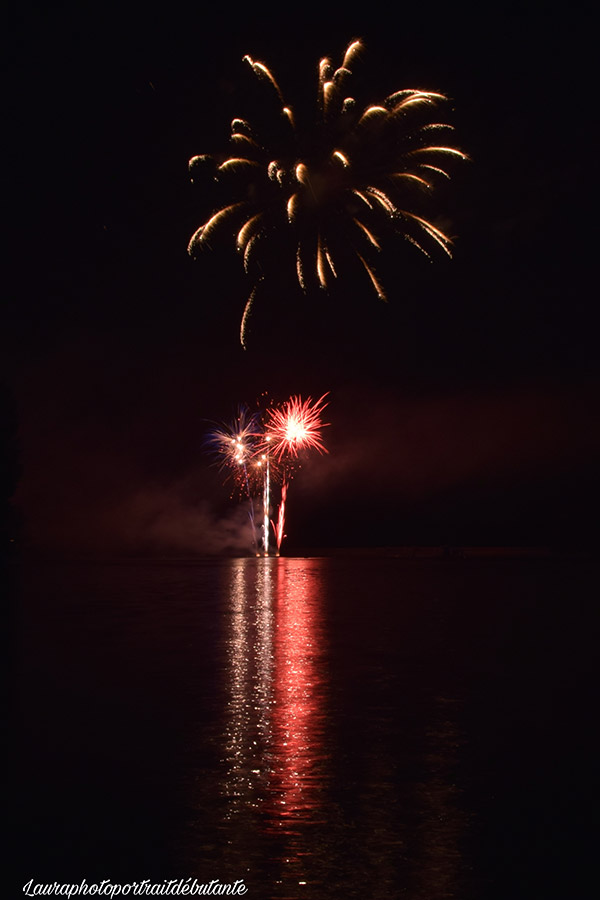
x=320 y=727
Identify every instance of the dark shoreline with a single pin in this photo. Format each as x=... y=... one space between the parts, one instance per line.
x=420 y=552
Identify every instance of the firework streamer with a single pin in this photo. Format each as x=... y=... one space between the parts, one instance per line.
x=266 y=504
x=280 y=525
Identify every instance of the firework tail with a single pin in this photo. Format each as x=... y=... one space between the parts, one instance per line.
x=278 y=528
x=266 y=506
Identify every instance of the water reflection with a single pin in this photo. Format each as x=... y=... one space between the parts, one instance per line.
x=275 y=725
x=338 y=767
x=250 y=667
x=298 y=720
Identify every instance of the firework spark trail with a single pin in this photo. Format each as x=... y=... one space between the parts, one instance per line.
x=304 y=180
x=266 y=505
x=279 y=527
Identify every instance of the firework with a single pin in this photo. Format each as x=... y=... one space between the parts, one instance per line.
x=236 y=446
x=295 y=425
x=343 y=183
x=260 y=451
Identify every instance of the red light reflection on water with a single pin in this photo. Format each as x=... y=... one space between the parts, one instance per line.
x=297 y=726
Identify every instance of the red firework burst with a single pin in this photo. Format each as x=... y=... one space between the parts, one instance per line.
x=295 y=425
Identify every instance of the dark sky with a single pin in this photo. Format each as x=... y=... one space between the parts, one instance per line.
x=463 y=411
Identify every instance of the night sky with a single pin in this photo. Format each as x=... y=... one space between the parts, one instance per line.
x=464 y=411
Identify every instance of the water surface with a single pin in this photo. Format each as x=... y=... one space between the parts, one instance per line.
x=321 y=728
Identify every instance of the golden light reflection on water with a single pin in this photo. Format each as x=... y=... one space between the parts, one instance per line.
x=240 y=740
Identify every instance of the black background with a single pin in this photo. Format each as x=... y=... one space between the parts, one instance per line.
x=461 y=412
